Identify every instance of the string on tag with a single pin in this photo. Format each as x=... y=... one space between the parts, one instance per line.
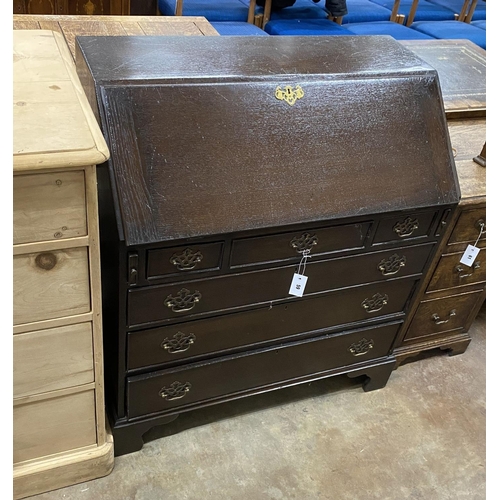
x=480 y=232
x=303 y=261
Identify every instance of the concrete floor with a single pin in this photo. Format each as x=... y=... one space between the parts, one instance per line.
x=421 y=437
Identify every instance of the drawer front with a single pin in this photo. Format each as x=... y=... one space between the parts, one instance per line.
x=451 y=273
x=290 y=245
x=49 y=206
x=468 y=226
x=172 y=344
x=52 y=359
x=170 y=389
x=50 y=285
x=170 y=302
x=185 y=259
x=54 y=425
x=404 y=227
x=442 y=315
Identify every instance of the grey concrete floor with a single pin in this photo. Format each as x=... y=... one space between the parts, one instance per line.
x=421 y=437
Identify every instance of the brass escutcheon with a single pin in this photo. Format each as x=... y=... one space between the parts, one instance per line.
x=289 y=94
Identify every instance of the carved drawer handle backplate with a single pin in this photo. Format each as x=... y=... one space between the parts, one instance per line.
x=183 y=301
x=392 y=265
x=406 y=228
x=459 y=269
x=186 y=260
x=304 y=242
x=289 y=94
x=175 y=390
x=180 y=342
x=361 y=347
x=440 y=321
x=376 y=303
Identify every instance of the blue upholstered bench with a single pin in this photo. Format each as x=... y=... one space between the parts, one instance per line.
x=426 y=11
x=479 y=24
x=212 y=10
x=305 y=27
x=452 y=30
x=397 y=31
x=456 y=6
x=301 y=9
x=237 y=28
x=365 y=11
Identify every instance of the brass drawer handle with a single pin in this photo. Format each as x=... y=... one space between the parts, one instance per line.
x=183 y=301
x=406 y=228
x=376 y=303
x=186 y=260
x=361 y=347
x=179 y=343
x=440 y=321
x=392 y=265
x=175 y=390
x=460 y=269
x=304 y=242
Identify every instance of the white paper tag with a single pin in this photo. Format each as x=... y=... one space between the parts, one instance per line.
x=298 y=285
x=469 y=255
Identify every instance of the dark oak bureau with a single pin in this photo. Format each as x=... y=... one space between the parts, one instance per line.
x=232 y=162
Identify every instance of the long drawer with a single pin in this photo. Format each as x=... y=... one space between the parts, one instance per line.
x=171 y=344
x=170 y=302
x=170 y=389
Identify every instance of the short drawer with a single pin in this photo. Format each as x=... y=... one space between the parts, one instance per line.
x=290 y=245
x=50 y=285
x=49 y=206
x=52 y=359
x=451 y=273
x=185 y=259
x=442 y=315
x=170 y=389
x=468 y=226
x=170 y=302
x=54 y=425
x=171 y=344
x=404 y=227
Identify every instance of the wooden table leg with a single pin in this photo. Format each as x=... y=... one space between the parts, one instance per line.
x=251 y=11
x=267 y=12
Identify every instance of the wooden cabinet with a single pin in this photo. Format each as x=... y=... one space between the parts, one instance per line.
x=223 y=176
x=60 y=434
x=73 y=7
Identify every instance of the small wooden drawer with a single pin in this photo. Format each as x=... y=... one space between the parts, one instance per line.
x=52 y=359
x=442 y=315
x=404 y=227
x=171 y=344
x=290 y=245
x=50 y=285
x=54 y=425
x=468 y=226
x=171 y=302
x=49 y=206
x=189 y=258
x=451 y=273
x=170 y=389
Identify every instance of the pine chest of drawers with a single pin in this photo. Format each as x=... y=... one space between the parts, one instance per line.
x=232 y=162
x=60 y=436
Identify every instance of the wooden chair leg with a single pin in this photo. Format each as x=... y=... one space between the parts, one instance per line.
x=267 y=13
x=178 y=8
x=251 y=11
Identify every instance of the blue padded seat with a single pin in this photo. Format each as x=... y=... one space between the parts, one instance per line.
x=479 y=24
x=301 y=9
x=219 y=10
x=305 y=27
x=365 y=11
x=237 y=28
x=452 y=30
x=456 y=7
x=426 y=11
x=397 y=31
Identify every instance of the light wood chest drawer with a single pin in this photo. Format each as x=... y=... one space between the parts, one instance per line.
x=50 y=285
x=52 y=359
x=468 y=226
x=49 y=206
x=54 y=425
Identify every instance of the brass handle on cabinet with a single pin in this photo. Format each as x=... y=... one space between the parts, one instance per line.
x=460 y=269
x=377 y=302
x=186 y=260
x=391 y=265
x=361 y=347
x=304 y=242
x=179 y=343
x=184 y=300
x=440 y=321
x=176 y=390
x=406 y=227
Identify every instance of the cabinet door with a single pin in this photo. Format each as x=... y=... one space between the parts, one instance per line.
x=98 y=7
x=35 y=7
